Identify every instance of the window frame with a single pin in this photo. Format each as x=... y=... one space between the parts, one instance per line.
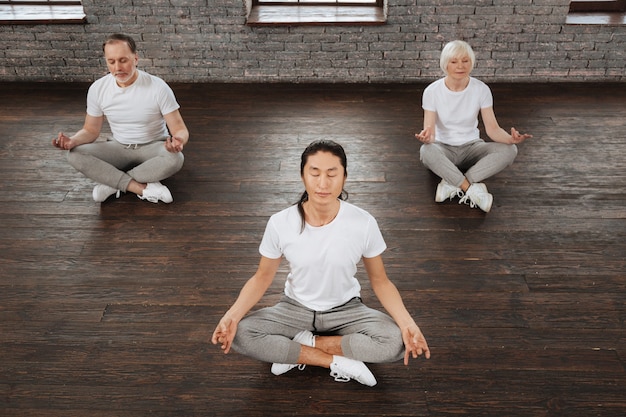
x=597 y=12
x=314 y=3
x=42 y=12
x=316 y=12
x=593 y=6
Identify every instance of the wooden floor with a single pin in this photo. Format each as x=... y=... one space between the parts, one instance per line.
x=107 y=310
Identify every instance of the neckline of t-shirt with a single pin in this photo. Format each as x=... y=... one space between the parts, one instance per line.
x=330 y=222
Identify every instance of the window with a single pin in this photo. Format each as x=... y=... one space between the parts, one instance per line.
x=51 y=11
x=317 y=12
x=601 y=12
x=597 y=6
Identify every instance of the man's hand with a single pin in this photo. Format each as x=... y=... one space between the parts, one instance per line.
x=517 y=137
x=224 y=333
x=415 y=343
x=173 y=144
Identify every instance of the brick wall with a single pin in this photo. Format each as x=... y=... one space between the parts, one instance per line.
x=208 y=41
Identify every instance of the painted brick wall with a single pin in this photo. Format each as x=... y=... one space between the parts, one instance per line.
x=208 y=41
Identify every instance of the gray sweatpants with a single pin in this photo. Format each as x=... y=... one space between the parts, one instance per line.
x=479 y=160
x=114 y=164
x=368 y=335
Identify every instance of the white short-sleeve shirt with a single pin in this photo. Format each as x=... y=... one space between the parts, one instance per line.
x=457 y=111
x=323 y=260
x=134 y=113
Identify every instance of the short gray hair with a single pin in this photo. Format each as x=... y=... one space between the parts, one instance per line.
x=120 y=37
x=455 y=49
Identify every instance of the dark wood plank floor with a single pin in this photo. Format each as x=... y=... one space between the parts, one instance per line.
x=106 y=310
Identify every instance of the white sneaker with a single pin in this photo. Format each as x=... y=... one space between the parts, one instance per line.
x=481 y=186
x=306 y=338
x=156 y=191
x=344 y=369
x=477 y=195
x=101 y=192
x=446 y=191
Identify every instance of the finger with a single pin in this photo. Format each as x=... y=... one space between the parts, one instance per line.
x=426 y=350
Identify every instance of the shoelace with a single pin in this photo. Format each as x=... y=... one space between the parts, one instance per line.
x=132 y=146
x=339 y=377
x=467 y=200
x=151 y=199
x=458 y=193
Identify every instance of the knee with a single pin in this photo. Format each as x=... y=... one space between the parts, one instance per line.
x=426 y=152
x=386 y=345
x=424 y=149
x=243 y=335
x=510 y=152
x=176 y=161
x=74 y=157
x=397 y=344
x=392 y=345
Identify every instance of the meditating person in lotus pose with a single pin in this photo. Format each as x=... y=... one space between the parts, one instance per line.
x=148 y=131
x=321 y=320
x=452 y=147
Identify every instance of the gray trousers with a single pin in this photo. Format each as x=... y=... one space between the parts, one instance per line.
x=114 y=164
x=479 y=160
x=368 y=335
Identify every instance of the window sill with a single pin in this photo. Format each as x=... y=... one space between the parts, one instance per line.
x=596 y=18
x=315 y=15
x=58 y=14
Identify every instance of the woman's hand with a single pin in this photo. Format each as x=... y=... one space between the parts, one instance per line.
x=62 y=141
x=517 y=137
x=425 y=136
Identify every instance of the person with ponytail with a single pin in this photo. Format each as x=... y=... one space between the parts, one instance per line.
x=321 y=319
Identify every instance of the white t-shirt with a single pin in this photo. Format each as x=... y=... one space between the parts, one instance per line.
x=457 y=111
x=135 y=113
x=323 y=260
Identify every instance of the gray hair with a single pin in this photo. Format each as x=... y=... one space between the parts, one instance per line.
x=120 y=37
x=455 y=49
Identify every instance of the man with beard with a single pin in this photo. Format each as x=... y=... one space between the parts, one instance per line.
x=147 y=128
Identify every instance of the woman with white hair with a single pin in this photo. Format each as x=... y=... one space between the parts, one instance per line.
x=452 y=147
